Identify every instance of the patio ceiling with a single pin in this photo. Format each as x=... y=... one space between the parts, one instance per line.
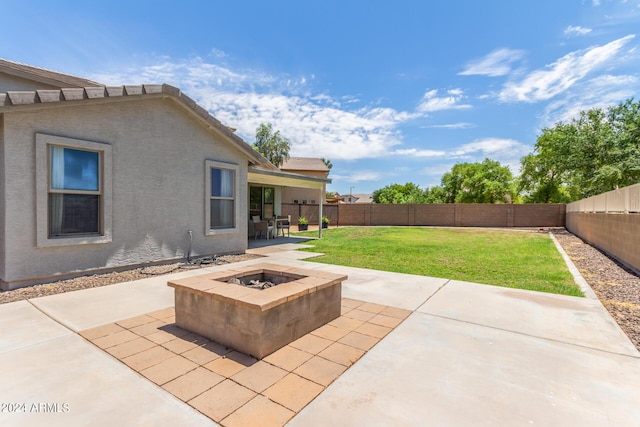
x=285 y=179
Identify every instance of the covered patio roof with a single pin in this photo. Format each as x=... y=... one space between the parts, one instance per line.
x=285 y=179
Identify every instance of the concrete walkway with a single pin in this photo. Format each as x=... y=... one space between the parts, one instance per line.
x=469 y=354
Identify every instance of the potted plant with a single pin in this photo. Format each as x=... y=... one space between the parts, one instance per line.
x=325 y=222
x=303 y=224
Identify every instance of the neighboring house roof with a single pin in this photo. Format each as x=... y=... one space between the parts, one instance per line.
x=57 y=98
x=363 y=198
x=42 y=75
x=358 y=198
x=304 y=164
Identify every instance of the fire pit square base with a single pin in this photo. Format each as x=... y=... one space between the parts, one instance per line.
x=257 y=321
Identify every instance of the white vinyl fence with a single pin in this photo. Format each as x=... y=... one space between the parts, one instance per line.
x=624 y=200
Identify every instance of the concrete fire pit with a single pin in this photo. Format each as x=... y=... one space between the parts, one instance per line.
x=257 y=321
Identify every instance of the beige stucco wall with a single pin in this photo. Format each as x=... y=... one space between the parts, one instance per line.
x=2 y=193
x=289 y=194
x=8 y=82
x=158 y=180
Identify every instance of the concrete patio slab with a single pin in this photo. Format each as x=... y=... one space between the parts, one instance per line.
x=66 y=381
x=436 y=371
x=25 y=325
x=573 y=320
x=96 y=306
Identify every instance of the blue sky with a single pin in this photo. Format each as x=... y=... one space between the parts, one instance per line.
x=389 y=91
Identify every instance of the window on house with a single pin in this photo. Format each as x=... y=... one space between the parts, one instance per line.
x=73 y=186
x=74 y=192
x=222 y=195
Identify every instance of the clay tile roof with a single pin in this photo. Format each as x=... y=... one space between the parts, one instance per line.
x=44 y=75
x=38 y=99
x=304 y=164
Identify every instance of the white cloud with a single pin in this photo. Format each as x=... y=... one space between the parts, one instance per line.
x=561 y=75
x=496 y=63
x=317 y=125
x=459 y=125
x=576 y=31
x=358 y=176
x=451 y=101
x=599 y=92
x=414 y=152
x=489 y=147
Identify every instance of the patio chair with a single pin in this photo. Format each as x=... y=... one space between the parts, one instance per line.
x=283 y=222
x=262 y=227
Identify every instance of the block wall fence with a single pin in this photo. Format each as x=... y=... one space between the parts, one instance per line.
x=610 y=222
x=444 y=215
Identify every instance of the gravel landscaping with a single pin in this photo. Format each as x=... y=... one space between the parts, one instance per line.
x=616 y=287
x=96 y=280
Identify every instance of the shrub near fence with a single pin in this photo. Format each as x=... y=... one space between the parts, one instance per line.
x=445 y=215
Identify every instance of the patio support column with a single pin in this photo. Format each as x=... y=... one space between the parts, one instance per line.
x=320 y=215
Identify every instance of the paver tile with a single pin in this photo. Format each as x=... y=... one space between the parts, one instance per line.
x=259 y=412
x=163 y=314
x=221 y=400
x=205 y=353
x=360 y=314
x=230 y=364
x=353 y=303
x=373 y=308
x=101 y=331
x=288 y=358
x=311 y=343
x=346 y=323
x=383 y=320
x=168 y=369
x=342 y=354
x=398 y=313
x=376 y=331
x=148 y=328
x=130 y=347
x=148 y=358
x=193 y=383
x=360 y=341
x=259 y=376
x=115 y=339
x=160 y=337
x=330 y=332
x=175 y=330
x=293 y=392
x=185 y=343
x=136 y=321
x=320 y=370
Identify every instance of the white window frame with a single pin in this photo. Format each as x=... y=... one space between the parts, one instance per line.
x=213 y=164
x=43 y=189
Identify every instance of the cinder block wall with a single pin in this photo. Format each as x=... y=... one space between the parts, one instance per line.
x=616 y=234
x=445 y=215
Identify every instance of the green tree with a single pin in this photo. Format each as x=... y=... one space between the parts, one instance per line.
x=399 y=194
x=273 y=146
x=328 y=163
x=597 y=152
x=480 y=182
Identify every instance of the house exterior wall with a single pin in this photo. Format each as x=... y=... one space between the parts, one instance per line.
x=2 y=196
x=8 y=83
x=158 y=187
x=289 y=194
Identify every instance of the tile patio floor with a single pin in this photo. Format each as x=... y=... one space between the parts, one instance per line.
x=467 y=354
x=235 y=389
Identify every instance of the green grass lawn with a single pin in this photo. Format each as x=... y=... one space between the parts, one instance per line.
x=515 y=259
